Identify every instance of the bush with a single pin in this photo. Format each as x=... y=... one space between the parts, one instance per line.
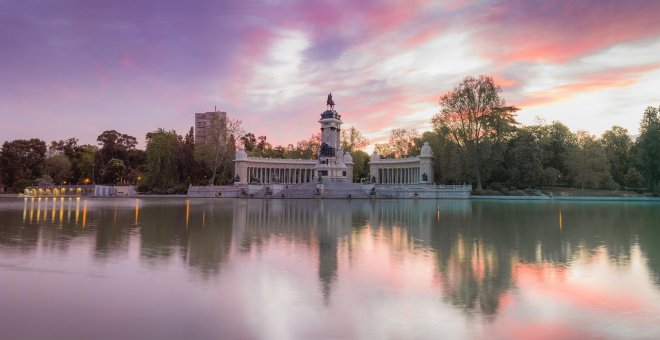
x=497 y=186
x=21 y=184
x=611 y=184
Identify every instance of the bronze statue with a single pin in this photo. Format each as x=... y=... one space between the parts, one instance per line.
x=330 y=102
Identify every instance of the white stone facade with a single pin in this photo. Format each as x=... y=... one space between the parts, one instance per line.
x=412 y=170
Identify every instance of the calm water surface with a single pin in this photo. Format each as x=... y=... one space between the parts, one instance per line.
x=289 y=269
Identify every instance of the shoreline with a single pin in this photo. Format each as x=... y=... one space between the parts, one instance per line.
x=483 y=198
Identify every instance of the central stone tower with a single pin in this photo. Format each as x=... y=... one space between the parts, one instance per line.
x=332 y=164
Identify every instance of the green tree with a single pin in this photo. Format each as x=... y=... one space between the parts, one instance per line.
x=162 y=159
x=115 y=145
x=115 y=170
x=525 y=159
x=187 y=164
x=360 y=165
x=472 y=114
x=648 y=147
x=22 y=160
x=617 y=145
x=58 y=168
x=249 y=142
x=587 y=162
x=556 y=142
x=634 y=178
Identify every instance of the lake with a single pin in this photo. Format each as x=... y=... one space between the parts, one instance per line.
x=327 y=269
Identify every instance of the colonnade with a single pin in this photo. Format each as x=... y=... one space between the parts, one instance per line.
x=399 y=175
x=284 y=175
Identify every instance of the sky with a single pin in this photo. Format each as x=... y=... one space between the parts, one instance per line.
x=74 y=68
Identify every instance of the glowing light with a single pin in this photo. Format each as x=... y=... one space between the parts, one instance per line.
x=561 y=224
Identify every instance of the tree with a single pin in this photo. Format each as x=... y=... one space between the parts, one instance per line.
x=617 y=145
x=115 y=145
x=223 y=133
x=58 y=168
x=360 y=164
x=525 y=159
x=401 y=143
x=352 y=139
x=634 y=178
x=22 y=160
x=187 y=163
x=556 y=141
x=472 y=114
x=115 y=170
x=162 y=158
x=648 y=146
x=587 y=163
x=85 y=163
x=249 y=142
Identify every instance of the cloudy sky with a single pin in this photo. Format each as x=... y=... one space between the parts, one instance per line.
x=78 y=67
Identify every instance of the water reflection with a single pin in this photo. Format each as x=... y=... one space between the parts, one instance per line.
x=499 y=262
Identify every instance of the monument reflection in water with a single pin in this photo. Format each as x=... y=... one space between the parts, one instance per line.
x=161 y=268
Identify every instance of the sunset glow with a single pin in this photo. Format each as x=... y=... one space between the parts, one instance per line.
x=75 y=69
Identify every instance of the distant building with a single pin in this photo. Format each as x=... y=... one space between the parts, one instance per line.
x=204 y=122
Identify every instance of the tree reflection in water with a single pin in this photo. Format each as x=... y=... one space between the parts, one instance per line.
x=475 y=254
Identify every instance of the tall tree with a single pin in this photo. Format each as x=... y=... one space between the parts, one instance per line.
x=21 y=160
x=401 y=143
x=115 y=170
x=187 y=164
x=472 y=113
x=249 y=142
x=223 y=132
x=617 y=145
x=525 y=159
x=352 y=139
x=115 y=145
x=648 y=146
x=58 y=168
x=162 y=158
x=587 y=162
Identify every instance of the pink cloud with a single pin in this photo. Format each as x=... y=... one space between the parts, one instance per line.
x=621 y=77
x=560 y=31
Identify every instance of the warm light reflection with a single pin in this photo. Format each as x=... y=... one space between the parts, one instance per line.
x=52 y=213
x=77 y=209
x=38 y=209
x=438 y=214
x=204 y=218
x=137 y=211
x=68 y=214
x=46 y=208
x=187 y=211
x=31 y=208
x=84 y=221
x=24 y=209
x=61 y=210
x=561 y=224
